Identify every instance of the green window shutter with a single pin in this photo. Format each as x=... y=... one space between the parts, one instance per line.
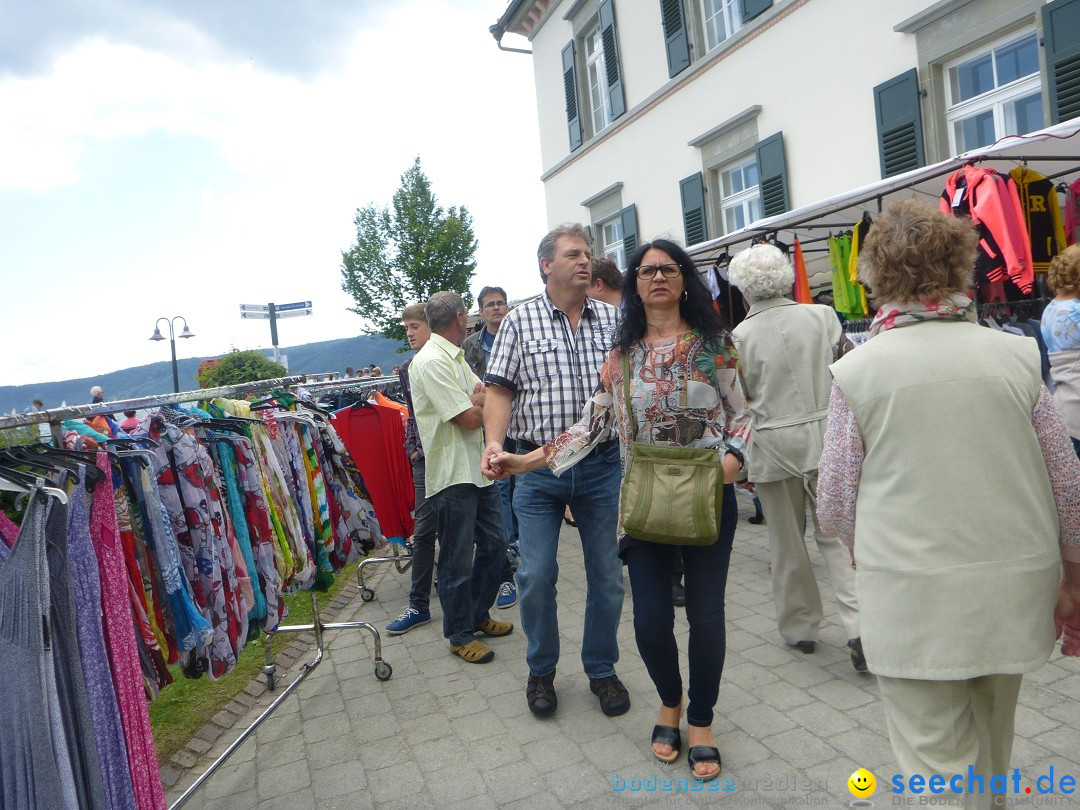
x=611 y=59
x=629 y=229
x=772 y=174
x=573 y=112
x=1061 y=36
x=899 y=124
x=692 y=193
x=675 y=37
x=588 y=232
x=752 y=8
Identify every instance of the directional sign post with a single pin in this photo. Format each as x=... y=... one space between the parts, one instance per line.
x=272 y=312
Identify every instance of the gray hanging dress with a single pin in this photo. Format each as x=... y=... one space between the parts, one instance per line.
x=29 y=775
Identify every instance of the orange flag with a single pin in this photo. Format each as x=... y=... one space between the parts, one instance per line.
x=802 y=282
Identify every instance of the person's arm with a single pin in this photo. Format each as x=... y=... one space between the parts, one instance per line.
x=1063 y=468
x=728 y=381
x=839 y=470
x=496 y=423
x=473 y=418
x=438 y=385
x=580 y=439
x=501 y=377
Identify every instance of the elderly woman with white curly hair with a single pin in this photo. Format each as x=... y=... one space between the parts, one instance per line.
x=785 y=350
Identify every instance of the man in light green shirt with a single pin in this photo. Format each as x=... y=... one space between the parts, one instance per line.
x=449 y=400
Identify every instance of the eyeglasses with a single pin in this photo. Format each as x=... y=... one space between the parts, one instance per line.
x=650 y=270
x=494 y=305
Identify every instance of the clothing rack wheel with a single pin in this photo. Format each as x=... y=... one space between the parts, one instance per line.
x=402 y=562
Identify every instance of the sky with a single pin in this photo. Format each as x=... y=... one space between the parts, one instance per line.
x=162 y=158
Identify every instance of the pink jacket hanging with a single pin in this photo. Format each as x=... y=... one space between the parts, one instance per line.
x=992 y=202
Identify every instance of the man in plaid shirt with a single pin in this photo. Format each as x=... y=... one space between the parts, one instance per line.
x=544 y=366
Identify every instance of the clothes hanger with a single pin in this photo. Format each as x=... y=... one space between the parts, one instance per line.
x=11 y=458
x=10 y=481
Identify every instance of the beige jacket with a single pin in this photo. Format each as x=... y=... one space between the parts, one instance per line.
x=956 y=530
x=784 y=352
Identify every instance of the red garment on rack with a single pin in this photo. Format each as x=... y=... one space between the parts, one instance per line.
x=802 y=281
x=375 y=438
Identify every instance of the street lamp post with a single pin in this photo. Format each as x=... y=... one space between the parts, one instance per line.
x=187 y=333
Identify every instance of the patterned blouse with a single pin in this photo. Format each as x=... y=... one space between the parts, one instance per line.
x=685 y=391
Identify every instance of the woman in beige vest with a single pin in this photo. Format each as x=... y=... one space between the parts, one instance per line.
x=948 y=471
x=784 y=352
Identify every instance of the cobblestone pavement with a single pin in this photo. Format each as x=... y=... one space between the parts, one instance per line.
x=444 y=733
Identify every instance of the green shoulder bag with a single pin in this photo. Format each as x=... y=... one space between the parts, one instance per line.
x=671 y=495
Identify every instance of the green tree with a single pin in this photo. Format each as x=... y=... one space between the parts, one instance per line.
x=239 y=367
x=406 y=252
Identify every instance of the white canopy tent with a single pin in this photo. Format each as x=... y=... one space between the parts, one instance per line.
x=1052 y=152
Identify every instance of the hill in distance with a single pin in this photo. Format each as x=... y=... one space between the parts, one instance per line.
x=156 y=378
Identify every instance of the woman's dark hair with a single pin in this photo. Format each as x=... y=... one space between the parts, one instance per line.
x=696 y=309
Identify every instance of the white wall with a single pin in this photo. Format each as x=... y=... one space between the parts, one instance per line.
x=812 y=73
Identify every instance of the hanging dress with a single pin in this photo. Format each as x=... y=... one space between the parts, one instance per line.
x=29 y=774
x=122 y=647
x=108 y=732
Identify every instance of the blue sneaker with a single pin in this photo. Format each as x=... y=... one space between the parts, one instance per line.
x=507 y=597
x=410 y=618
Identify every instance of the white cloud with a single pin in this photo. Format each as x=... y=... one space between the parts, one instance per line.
x=296 y=157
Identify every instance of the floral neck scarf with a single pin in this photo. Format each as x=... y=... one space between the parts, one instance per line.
x=953 y=307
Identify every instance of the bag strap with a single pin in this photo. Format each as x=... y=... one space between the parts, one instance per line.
x=626 y=396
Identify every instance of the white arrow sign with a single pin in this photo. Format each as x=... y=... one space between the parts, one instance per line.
x=254 y=308
x=293 y=313
x=264 y=315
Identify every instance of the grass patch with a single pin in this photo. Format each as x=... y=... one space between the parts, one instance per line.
x=187 y=705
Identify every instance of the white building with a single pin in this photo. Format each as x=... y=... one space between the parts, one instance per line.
x=692 y=118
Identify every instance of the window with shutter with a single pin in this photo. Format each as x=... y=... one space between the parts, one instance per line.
x=573 y=114
x=1061 y=36
x=772 y=175
x=692 y=194
x=899 y=124
x=676 y=37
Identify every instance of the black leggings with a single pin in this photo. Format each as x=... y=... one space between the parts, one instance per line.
x=706 y=569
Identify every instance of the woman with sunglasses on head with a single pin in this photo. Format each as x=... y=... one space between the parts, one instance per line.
x=685 y=391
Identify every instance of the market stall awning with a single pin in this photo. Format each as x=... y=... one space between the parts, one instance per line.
x=1052 y=152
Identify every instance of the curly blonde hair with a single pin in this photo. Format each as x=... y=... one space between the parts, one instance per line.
x=761 y=272
x=1064 y=273
x=915 y=252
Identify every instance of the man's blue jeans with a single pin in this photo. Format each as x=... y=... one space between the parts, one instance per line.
x=468 y=516
x=591 y=488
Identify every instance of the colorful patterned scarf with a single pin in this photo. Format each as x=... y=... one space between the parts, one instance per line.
x=955 y=307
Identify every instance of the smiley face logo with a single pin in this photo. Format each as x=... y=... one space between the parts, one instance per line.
x=862 y=783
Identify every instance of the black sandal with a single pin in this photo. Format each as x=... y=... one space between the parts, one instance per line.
x=702 y=754
x=858 y=659
x=666 y=735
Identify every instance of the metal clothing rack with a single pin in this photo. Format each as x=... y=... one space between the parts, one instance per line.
x=383 y=670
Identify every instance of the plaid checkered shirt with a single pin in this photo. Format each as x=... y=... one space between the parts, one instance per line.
x=550 y=369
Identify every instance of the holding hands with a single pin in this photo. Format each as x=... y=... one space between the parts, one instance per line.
x=497 y=463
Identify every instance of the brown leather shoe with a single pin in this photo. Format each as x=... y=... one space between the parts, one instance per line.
x=495 y=629
x=475 y=652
